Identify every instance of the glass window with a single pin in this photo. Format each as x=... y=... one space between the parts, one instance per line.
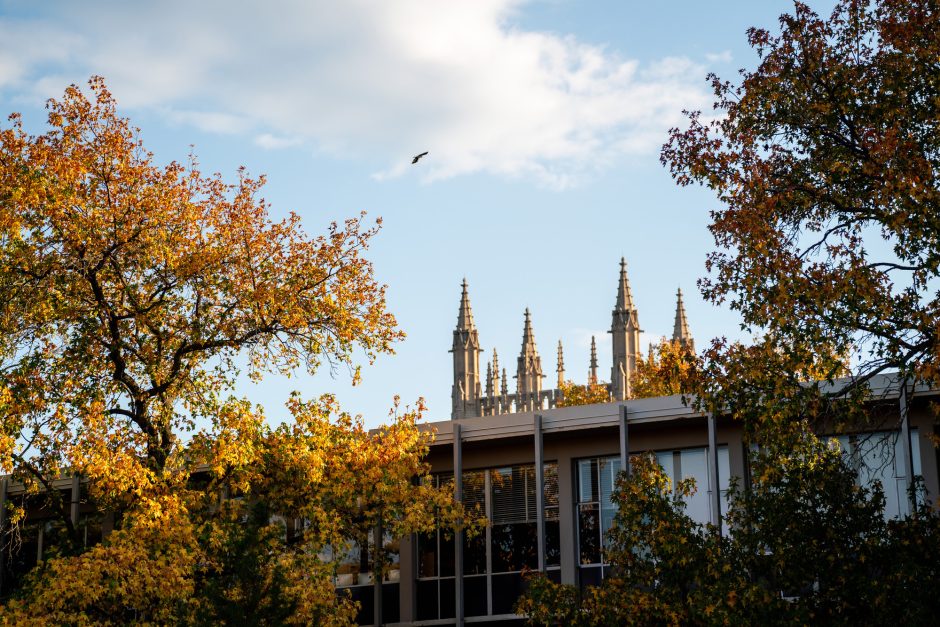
x=596 y=508
x=879 y=457
x=508 y=545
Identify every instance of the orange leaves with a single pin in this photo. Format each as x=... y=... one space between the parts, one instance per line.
x=573 y=394
x=670 y=368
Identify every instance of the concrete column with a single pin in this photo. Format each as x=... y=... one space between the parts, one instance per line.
x=3 y=520
x=539 y=492
x=713 y=473
x=567 y=517
x=906 y=448
x=76 y=498
x=624 y=440
x=488 y=534
x=376 y=574
x=407 y=577
x=458 y=533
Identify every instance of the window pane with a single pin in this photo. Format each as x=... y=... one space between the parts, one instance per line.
x=514 y=547
x=474 y=554
x=551 y=485
x=665 y=459
x=552 y=543
x=506 y=591
x=694 y=466
x=474 y=594
x=427 y=554
x=426 y=597
x=589 y=534
x=587 y=480
x=446 y=559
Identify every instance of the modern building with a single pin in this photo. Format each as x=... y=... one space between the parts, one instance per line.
x=543 y=475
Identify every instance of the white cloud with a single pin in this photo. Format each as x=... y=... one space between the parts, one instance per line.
x=272 y=142
x=719 y=57
x=374 y=80
x=211 y=121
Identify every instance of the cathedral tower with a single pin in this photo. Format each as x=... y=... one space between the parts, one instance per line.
x=680 y=329
x=625 y=334
x=529 y=368
x=466 y=349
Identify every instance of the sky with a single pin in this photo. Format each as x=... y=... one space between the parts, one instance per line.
x=543 y=121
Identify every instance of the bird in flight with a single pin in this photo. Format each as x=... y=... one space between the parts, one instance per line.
x=417 y=157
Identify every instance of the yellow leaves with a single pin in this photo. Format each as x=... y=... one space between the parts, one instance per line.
x=573 y=394
x=670 y=368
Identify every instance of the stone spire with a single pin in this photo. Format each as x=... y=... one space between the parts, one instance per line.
x=592 y=373
x=495 y=380
x=625 y=335
x=680 y=330
x=560 y=369
x=466 y=392
x=489 y=379
x=465 y=315
x=529 y=368
x=504 y=387
x=624 y=293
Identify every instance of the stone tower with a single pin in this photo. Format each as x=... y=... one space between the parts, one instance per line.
x=625 y=335
x=466 y=392
x=680 y=329
x=592 y=370
x=529 y=368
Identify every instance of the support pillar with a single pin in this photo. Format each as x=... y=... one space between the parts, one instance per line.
x=906 y=448
x=3 y=520
x=376 y=572
x=713 y=473
x=458 y=533
x=624 y=440
x=539 y=492
x=76 y=498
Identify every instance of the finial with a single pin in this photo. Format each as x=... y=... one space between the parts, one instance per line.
x=489 y=379
x=592 y=374
x=505 y=386
x=624 y=293
x=561 y=366
x=465 y=315
x=680 y=329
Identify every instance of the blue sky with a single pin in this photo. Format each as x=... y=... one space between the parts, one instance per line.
x=543 y=121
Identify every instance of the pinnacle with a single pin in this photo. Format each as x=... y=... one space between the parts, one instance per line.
x=528 y=336
x=624 y=293
x=680 y=331
x=465 y=315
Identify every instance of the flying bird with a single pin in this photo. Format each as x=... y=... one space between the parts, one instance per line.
x=417 y=157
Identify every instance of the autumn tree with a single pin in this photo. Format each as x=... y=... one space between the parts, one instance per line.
x=825 y=161
x=808 y=546
x=671 y=367
x=576 y=394
x=133 y=293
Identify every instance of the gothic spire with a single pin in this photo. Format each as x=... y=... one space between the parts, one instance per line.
x=592 y=373
x=467 y=390
x=528 y=337
x=504 y=388
x=624 y=293
x=495 y=380
x=680 y=330
x=489 y=379
x=561 y=366
x=529 y=368
x=625 y=338
x=465 y=315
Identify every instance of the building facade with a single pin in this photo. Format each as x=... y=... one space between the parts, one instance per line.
x=544 y=480
x=544 y=475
